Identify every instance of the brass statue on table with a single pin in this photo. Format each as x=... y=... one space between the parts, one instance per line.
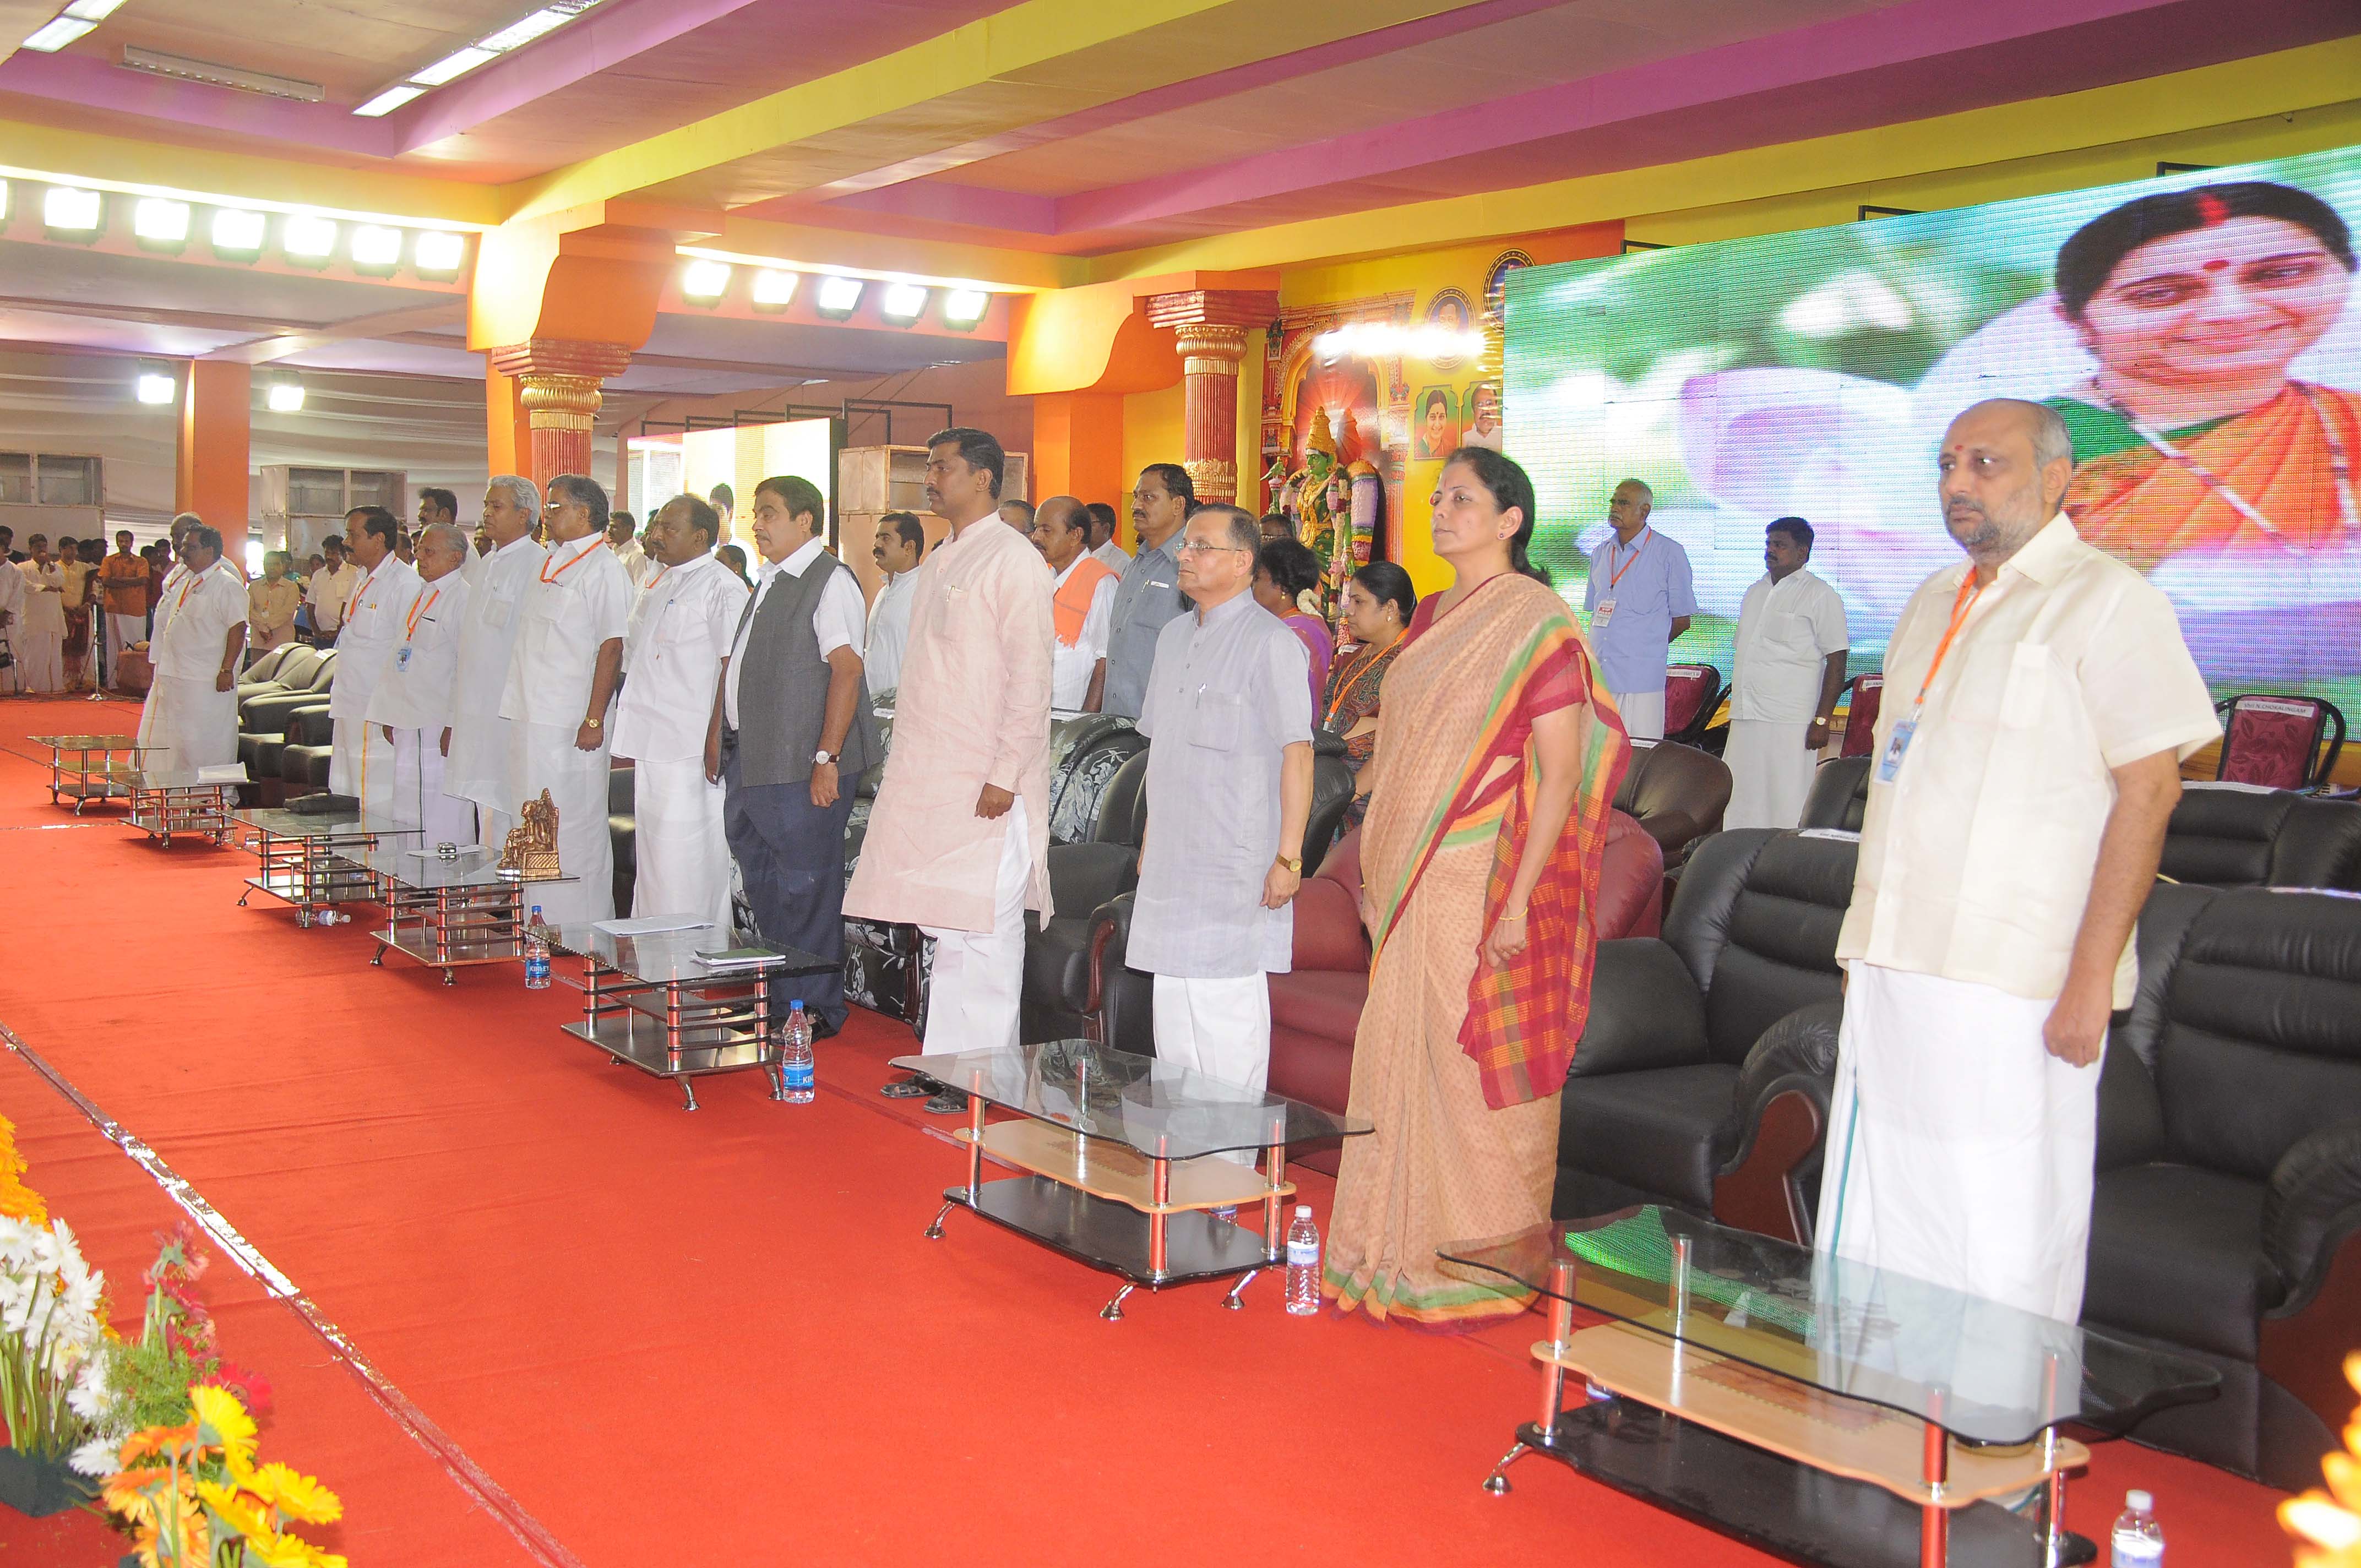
x=530 y=853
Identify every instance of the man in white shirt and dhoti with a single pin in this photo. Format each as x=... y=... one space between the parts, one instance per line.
x=1640 y=598
x=2039 y=700
x=191 y=714
x=1082 y=605
x=412 y=706
x=795 y=733
x=959 y=836
x=1786 y=672
x=476 y=765
x=362 y=764
x=901 y=545
x=1228 y=717
x=674 y=643
x=40 y=640
x=329 y=589
x=570 y=655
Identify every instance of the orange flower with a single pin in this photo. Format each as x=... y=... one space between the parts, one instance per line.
x=17 y=1201
x=156 y=1441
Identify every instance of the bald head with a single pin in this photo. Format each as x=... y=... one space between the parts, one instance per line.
x=2001 y=476
x=1061 y=529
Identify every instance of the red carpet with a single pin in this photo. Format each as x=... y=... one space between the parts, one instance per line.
x=720 y=1337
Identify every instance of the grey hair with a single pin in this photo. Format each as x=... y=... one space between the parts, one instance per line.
x=522 y=493
x=2052 y=440
x=1246 y=529
x=459 y=540
x=1647 y=491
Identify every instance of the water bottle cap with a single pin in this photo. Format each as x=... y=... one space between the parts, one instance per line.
x=1303 y=1210
x=2140 y=1502
x=797 y=1005
x=536 y=909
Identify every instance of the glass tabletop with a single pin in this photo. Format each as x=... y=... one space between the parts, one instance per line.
x=349 y=823
x=94 y=743
x=1981 y=1370
x=412 y=867
x=180 y=778
x=1160 y=1108
x=673 y=955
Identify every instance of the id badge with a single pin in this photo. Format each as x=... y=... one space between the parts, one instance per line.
x=402 y=660
x=1897 y=746
x=1602 y=615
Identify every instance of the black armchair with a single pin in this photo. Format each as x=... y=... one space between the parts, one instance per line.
x=2227 y=836
x=1839 y=794
x=1083 y=877
x=266 y=713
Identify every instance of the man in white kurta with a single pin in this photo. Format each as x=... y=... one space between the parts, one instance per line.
x=901 y=543
x=477 y=765
x=678 y=634
x=569 y=656
x=40 y=641
x=1787 y=669
x=2039 y=700
x=1228 y=717
x=412 y=706
x=362 y=764
x=958 y=838
x=191 y=714
x=12 y=611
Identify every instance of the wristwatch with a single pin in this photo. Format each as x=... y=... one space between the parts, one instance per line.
x=1294 y=864
x=596 y=723
x=827 y=757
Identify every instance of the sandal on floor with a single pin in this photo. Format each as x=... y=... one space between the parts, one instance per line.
x=911 y=1088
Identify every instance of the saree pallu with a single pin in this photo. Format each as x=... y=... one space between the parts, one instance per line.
x=1458 y=1063
x=1354 y=688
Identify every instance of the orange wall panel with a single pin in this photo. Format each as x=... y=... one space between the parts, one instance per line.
x=216 y=431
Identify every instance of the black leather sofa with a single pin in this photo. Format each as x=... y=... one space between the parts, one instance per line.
x=305 y=755
x=1701 y=1078
x=1083 y=877
x=1677 y=793
x=622 y=832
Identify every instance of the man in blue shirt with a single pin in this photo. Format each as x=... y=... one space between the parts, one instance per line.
x=1640 y=599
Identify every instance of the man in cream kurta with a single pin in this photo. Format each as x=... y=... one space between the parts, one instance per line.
x=1787 y=668
x=569 y=656
x=677 y=636
x=2039 y=700
x=958 y=838
x=412 y=706
x=362 y=764
x=476 y=766
x=190 y=713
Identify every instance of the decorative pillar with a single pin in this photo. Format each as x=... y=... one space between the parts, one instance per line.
x=557 y=382
x=1210 y=328
x=209 y=474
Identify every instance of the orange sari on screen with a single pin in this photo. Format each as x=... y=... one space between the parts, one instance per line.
x=2282 y=458
x=1457 y=1063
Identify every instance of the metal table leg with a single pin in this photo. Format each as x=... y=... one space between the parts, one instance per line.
x=1935 y=1519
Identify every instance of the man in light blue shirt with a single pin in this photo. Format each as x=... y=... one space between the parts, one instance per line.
x=1640 y=599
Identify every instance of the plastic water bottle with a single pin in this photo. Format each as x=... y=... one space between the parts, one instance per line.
x=2138 y=1539
x=1302 y=1264
x=536 y=952
x=796 y=1057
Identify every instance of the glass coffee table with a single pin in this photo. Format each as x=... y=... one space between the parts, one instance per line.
x=1123 y=1165
x=82 y=780
x=649 y=1000
x=189 y=801
x=1813 y=1406
x=309 y=859
x=447 y=914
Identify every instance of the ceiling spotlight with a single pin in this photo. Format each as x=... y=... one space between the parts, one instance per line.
x=70 y=210
x=155 y=386
x=903 y=303
x=452 y=66
x=440 y=251
x=389 y=100
x=377 y=247
x=309 y=237
x=55 y=34
x=773 y=288
x=838 y=297
x=964 y=308
x=286 y=393
x=161 y=221
x=237 y=232
x=705 y=280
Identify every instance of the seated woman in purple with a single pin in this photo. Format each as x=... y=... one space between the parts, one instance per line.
x=1285 y=571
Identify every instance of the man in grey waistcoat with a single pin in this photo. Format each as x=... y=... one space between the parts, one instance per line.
x=792 y=733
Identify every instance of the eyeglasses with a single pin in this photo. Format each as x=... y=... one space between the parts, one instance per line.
x=1189 y=544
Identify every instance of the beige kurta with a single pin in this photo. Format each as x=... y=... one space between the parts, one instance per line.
x=972 y=708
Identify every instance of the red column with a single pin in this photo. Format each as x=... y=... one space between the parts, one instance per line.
x=557 y=382
x=1209 y=326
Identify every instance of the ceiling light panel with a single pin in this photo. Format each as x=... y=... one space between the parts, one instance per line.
x=389 y=100
x=547 y=20
x=308 y=236
x=286 y=395
x=93 y=10
x=773 y=287
x=839 y=296
x=453 y=66
x=157 y=63
x=160 y=219
x=155 y=389
x=438 y=250
x=705 y=280
x=903 y=303
x=962 y=308
x=71 y=209
x=374 y=245
x=55 y=34
x=236 y=229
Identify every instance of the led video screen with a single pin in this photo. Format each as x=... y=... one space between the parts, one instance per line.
x=2199 y=333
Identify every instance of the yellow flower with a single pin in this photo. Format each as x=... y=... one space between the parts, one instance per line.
x=289 y=1551
x=224 y=1423
x=247 y=1516
x=17 y=1201
x=296 y=1495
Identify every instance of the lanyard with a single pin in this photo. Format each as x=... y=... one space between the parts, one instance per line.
x=194 y=578
x=549 y=576
x=410 y=631
x=358 y=590
x=1615 y=576
x=1969 y=591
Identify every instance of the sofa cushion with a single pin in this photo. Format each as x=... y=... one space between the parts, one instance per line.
x=1653 y=1130
x=1058 y=959
x=1325 y=1003
x=2222 y=836
x=2176 y=1252
x=1755 y=919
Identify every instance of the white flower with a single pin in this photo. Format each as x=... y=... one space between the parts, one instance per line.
x=95 y=1458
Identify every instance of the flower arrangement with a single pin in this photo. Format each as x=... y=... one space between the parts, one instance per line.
x=195 y=1497
x=17 y=1201
x=2328 y=1524
x=52 y=1324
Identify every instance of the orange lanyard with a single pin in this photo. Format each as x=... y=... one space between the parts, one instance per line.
x=359 y=588
x=194 y=578
x=1968 y=591
x=549 y=576
x=410 y=631
x=1617 y=576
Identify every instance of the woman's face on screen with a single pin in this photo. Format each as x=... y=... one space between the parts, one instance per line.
x=2246 y=294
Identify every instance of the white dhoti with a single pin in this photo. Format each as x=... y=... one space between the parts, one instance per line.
x=1643 y=713
x=417 y=795
x=979 y=976
x=547 y=759
x=1218 y=1027
x=195 y=726
x=1959 y=1149
x=40 y=658
x=678 y=848
x=361 y=765
x=1770 y=774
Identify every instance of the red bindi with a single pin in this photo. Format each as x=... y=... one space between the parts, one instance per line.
x=2217 y=265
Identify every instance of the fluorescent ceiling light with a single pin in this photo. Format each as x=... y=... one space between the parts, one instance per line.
x=309 y=237
x=438 y=250
x=523 y=32
x=838 y=296
x=452 y=66
x=773 y=287
x=236 y=229
x=159 y=64
x=374 y=245
x=93 y=10
x=55 y=34
x=286 y=395
x=155 y=389
x=160 y=218
x=389 y=100
x=70 y=208
x=903 y=303
x=705 y=280
x=962 y=308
